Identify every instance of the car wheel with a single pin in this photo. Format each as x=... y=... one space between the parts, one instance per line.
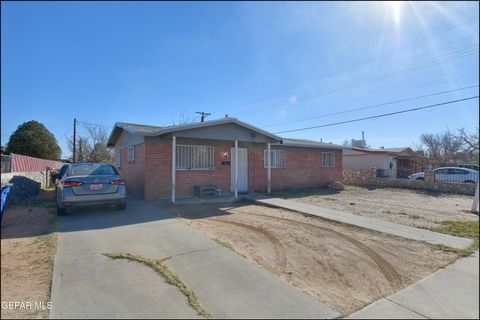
x=122 y=206
x=61 y=211
x=469 y=181
x=420 y=179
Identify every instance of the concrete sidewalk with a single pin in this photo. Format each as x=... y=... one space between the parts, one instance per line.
x=452 y=292
x=86 y=284
x=366 y=222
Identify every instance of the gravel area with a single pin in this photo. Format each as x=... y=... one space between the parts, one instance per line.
x=409 y=207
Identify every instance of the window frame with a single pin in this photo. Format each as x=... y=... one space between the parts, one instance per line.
x=274 y=163
x=211 y=167
x=332 y=159
x=131 y=156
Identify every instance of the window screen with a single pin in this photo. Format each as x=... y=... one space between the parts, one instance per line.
x=278 y=158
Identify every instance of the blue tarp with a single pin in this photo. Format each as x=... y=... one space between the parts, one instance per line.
x=5 y=190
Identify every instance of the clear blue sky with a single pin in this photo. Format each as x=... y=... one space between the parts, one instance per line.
x=265 y=63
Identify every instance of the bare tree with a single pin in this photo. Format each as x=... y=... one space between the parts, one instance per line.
x=99 y=151
x=448 y=148
x=184 y=119
x=470 y=143
x=82 y=149
x=93 y=146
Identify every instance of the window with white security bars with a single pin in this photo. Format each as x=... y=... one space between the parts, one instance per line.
x=117 y=158
x=131 y=154
x=328 y=159
x=194 y=157
x=278 y=159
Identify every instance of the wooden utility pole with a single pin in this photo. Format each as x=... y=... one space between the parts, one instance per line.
x=74 y=137
x=203 y=115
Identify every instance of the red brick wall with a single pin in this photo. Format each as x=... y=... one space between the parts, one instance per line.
x=158 y=166
x=134 y=171
x=304 y=169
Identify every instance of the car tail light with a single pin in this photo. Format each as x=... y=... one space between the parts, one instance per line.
x=72 y=183
x=118 y=181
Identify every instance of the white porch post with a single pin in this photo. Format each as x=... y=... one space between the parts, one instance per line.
x=236 y=169
x=174 y=149
x=269 y=169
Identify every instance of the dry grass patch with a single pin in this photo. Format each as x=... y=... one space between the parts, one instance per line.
x=466 y=229
x=161 y=268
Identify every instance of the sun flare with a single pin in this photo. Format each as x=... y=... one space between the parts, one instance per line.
x=396 y=9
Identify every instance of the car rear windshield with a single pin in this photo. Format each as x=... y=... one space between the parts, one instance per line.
x=92 y=170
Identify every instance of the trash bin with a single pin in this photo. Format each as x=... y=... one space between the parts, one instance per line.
x=5 y=190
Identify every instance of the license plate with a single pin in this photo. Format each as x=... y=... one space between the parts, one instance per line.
x=96 y=186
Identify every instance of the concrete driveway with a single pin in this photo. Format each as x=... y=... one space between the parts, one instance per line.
x=86 y=284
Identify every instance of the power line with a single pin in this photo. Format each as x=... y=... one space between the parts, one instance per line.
x=379 y=76
x=380 y=115
x=421 y=43
x=372 y=106
x=93 y=124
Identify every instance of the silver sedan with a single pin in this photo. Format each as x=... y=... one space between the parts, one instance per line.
x=86 y=184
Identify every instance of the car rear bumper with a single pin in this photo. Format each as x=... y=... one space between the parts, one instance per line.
x=71 y=200
x=69 y=204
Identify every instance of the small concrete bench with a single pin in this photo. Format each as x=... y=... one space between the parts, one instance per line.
x=202 y=190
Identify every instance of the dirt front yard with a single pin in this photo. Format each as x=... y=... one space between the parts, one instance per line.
x=409 y=207
x=28 y=248
x=343 y=266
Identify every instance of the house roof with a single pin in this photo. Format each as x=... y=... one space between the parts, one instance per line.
x=148 y=130
x=152 y=131
x=309 y=144
x=141 y=129
x=405 y=151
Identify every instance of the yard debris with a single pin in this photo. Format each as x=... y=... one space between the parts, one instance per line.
x=335 y=185
x=22 y=188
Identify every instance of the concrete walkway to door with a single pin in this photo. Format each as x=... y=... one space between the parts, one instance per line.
x=86 y=284
x=365 y=222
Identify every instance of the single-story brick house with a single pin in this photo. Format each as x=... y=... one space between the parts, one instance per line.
x=206 y=153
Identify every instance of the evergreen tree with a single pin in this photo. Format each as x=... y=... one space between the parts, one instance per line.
x=33 y=139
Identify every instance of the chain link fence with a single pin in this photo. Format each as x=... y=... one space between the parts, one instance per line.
x=6 y=163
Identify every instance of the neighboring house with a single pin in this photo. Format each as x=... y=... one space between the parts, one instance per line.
x=204 y=153
x=391 y=162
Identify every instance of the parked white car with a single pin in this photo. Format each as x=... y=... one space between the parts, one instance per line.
x=450 y=174
x=472 y=166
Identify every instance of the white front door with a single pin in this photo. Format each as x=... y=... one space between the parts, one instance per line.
x=242 y=170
